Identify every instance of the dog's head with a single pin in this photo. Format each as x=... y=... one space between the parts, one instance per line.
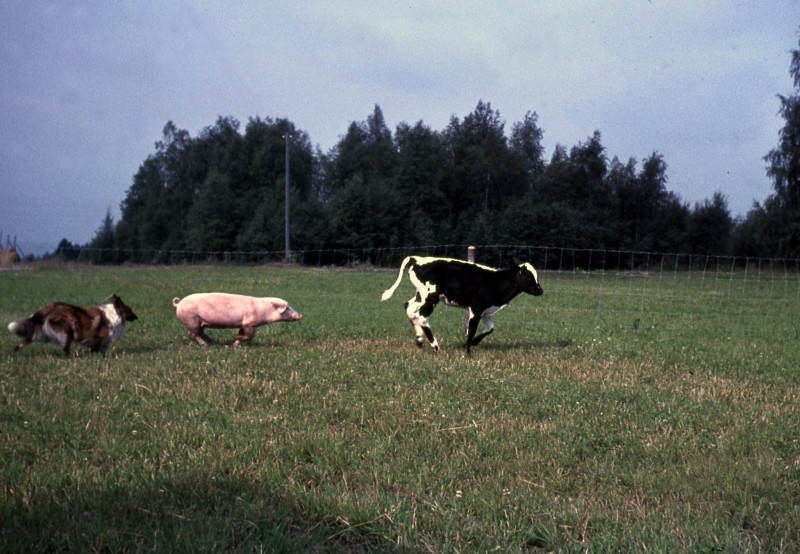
x=123 y=309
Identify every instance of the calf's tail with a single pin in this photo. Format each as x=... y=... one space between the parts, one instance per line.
x=387 y=294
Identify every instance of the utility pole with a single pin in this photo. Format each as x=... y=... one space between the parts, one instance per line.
x=288 y=255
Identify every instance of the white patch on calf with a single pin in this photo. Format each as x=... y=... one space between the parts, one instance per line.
x=486 y=317
x=492 y=310
x=530 y=268
x=427 y=260
x=424 y=289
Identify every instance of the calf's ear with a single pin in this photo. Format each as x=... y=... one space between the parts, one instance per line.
x=512 y=263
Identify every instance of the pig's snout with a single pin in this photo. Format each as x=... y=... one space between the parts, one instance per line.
x=291 y=315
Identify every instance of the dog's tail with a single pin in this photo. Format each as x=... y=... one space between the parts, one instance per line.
x=175 y=301
x=387 y=294
x=22 y=327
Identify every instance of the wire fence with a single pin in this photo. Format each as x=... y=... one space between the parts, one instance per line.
x=604 y=289
x=543 y=257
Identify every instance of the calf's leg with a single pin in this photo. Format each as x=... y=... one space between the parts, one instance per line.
x=472 y=327
x=488 y=327
x=412 y=312
x=418 y=313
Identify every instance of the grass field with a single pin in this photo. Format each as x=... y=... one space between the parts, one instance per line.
x=614 y=413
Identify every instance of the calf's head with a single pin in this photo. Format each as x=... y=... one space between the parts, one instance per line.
x=526 y=278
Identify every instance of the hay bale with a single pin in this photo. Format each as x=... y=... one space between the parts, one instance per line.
x=8 y=256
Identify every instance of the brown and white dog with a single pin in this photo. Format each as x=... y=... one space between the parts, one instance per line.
x=97 y=327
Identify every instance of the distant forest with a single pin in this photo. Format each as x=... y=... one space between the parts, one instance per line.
x=472 y=182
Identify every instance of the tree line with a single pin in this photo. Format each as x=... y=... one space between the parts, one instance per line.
x=472 y=182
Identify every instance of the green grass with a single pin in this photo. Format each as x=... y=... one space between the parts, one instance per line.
x=614 y=413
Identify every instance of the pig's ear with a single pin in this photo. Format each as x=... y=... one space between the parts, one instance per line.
x=280 y=305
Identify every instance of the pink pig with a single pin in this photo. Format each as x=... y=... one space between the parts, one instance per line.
x=220 y=310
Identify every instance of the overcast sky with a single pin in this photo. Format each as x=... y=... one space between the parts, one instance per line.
x=87 y=87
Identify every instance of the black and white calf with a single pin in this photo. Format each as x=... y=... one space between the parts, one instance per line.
x=483 y=291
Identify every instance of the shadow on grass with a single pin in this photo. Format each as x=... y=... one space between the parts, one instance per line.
x=46 y=351
x=174 y=344
x=511 y=345
x=202 y=513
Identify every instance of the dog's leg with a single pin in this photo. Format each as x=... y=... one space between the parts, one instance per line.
x=24 y=343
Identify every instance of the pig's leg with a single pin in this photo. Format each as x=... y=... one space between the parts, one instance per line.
x=245 y=333
x=202 y=334
x=197 y=335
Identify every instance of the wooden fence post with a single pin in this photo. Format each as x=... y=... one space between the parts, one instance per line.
x=470 y=258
